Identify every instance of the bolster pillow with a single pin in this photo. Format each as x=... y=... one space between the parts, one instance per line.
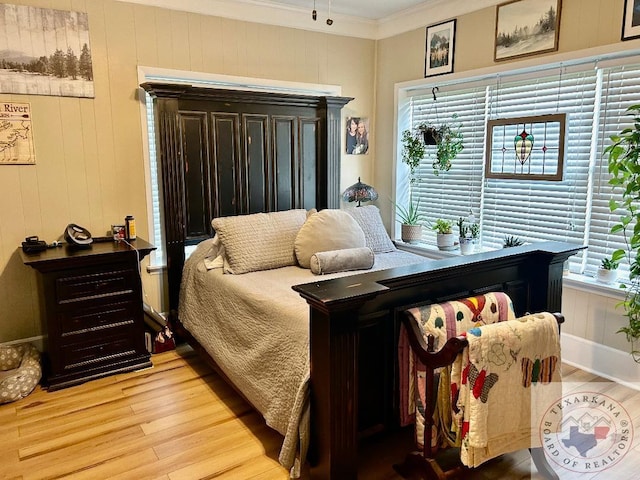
x=333 y=261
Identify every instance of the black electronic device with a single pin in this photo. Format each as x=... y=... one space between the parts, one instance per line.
x=33 y=244
x=77 y=236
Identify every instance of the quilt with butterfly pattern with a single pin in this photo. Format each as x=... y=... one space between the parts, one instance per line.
x=504 y=381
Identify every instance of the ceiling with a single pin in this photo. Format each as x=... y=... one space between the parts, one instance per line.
x=373 y=19
x=369 y=9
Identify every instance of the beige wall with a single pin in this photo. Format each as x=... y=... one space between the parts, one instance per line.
x=90 y=166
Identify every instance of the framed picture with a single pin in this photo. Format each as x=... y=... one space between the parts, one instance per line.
x=45 y=52
x=526 y=27
x=631 y=22
x=357 y=139
x=440 y=43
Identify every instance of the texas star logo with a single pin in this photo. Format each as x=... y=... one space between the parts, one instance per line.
x=586 y=432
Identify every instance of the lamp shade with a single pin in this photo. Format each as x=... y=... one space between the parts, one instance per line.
x=360 y=192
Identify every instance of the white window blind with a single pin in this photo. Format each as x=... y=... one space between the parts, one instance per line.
x=538 y=210
x=155 y=176
x=575 y=209
x=621 y=87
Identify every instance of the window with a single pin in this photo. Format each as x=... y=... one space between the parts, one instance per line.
x=573 y=209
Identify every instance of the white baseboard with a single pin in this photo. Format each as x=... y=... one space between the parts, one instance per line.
x=601 y=360
x=37 y=342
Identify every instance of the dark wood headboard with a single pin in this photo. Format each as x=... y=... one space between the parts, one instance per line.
x=227 y=152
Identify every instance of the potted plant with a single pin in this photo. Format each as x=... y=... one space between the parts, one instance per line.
x=444 y=238
x=468 y=236
x=623 y=156
x=464 y=237
x=411 y=218
x=607 y=272
x=511 y=241
x=448 y=141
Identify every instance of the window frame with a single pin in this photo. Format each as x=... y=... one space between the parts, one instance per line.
x=406 y=91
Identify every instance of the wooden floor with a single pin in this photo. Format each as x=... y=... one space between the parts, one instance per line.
x=179 y=420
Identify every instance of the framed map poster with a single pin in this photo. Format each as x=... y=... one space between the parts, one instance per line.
x=16 y=135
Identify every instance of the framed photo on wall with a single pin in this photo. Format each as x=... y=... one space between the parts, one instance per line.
x=439 y=48
x=526 y=27
x=357 y=139
x=631 y=21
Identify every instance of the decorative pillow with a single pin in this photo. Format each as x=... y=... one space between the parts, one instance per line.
x=369 y=219
x=342 y=260
x=328 y=229
x=260 y=241
x=20 y=371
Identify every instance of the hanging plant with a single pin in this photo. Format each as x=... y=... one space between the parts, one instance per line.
x=624 y=167
x=448 y=141
x=413 y=151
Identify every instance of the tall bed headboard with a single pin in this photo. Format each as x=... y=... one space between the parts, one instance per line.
x=226 y=152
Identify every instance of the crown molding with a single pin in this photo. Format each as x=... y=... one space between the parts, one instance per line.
x=295 y=17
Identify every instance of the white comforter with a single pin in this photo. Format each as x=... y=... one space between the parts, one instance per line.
x=256 y=328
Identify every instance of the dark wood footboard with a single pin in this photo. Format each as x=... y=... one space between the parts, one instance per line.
x=354 y=324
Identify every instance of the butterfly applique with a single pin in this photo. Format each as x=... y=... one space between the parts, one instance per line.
x=538 y=370
x=480 y=382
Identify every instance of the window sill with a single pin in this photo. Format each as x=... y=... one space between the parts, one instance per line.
x=585 y=283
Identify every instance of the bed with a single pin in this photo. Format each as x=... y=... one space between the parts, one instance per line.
x=255 y=328
x=252 y=156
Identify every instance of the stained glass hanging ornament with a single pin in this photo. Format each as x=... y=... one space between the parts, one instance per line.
x=523 y=145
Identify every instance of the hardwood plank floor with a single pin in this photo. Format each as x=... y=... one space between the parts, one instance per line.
x=179 y=420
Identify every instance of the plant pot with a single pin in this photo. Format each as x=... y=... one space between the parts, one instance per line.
x=467 y=245
x=606 y=276
x=430 y=136
x=445 y=241
x=411 y=233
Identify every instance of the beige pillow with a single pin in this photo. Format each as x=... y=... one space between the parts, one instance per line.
x=369 y=219
x=328 y=229
x=260 y=241
x=342 y=260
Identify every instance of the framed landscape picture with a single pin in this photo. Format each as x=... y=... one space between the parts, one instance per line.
x=631 y=22
x=526 y=27
x=439 y=48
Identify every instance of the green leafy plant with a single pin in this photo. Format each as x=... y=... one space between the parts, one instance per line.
x=609 y=264
x=471 y=230
x=411 y=214
x=475 y=230
x=623 y=157
x=463 y=230
x=511 y=241
x=413 y=151
x=448 y=139
x=443 y=226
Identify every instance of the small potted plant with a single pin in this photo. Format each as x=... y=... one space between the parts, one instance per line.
x=410 y=218
x=465 y=238
x=511 y=241
x=608 y=271
x=444 y=238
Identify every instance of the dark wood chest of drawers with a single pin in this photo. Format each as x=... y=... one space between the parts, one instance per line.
x=91 y=306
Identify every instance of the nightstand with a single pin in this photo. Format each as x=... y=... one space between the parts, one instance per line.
x=91 y=308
